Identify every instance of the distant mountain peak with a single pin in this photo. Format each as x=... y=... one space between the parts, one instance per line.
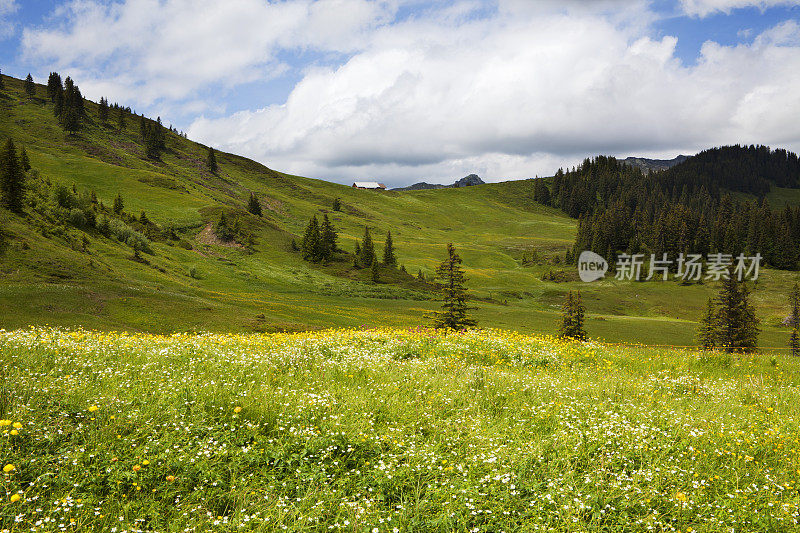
x=654 y=165
x=466 y=181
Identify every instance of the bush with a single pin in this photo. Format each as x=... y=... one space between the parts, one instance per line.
x=77 y=218
x=124 y=233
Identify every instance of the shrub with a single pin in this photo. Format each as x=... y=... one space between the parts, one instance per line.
x=77 y=218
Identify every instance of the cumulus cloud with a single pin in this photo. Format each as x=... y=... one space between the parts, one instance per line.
x=7 y=8
x=703 y=8
x=452 y=88
x=168 y=49
x=507 y=94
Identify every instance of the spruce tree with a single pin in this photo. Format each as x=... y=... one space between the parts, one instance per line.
x=311 y=245
x=389 y=257
x=102 y=110
x=222 y=230
x=12 y=178
x=572 y=317
x=24 y=162
x=2 y=86
x=357 y=255
x=420 y=275
x=328 y=238
x=374 y=272
x=211 y=161
x=454 y=306
x=737 y=325
x=367 y=254
x=58 y=104
x=253 y=205
x=54 y=86
x=794 y=342
x=151 y=144
x=121 y=118
x=337 y=204
x=30 y=87
x=794 y=303
x=118 y=204
x=70 y=120
x=707 y=332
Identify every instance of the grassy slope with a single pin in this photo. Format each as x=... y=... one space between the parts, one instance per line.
x=491 y=225
x=372 y=431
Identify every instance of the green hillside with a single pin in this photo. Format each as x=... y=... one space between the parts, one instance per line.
x=52 y=272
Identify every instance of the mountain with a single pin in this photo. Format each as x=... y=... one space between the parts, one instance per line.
x=163 y=262
x=651 y=165
x=467 y=181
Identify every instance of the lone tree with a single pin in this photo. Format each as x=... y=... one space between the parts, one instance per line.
x=211 y=161
x=12 y=178
x=337 y=204
x=794 y=303
x=253 y=206
x=454 y=306
x=707 y=332
x=367 y=253
x=794 y=342
x=572 y=317
x=30 y=87
x=222 y=229
x=389 y=257
x=54 y=86
x=737 y=324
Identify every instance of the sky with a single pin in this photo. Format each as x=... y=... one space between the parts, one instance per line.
x=401 y=91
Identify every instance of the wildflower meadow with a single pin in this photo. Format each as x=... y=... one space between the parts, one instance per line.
x=388 y=431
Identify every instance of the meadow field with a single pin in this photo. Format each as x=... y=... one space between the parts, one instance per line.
x=391 y=430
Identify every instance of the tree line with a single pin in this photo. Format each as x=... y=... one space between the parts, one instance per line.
x=686 y=209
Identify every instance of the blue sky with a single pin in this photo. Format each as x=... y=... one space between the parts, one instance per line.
x=406 y=90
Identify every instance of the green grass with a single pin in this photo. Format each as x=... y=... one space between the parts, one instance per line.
x=391 y=430
x=47 y=279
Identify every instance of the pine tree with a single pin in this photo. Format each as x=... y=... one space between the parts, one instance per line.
x=420 y=275
x=707 y=332
x=118 y=204
x=70 y=120
x=151 y=145
x=102 y=110
x=572 y=317
x=337 y=204
x=121 y=118
x=794 y=302
x=54 y=86
x=24 y=162
x=2 y=86
x=211 y=161
x=389 y=257
x=222 y=230
x=794 y=342
x=30 y=87
x=58 y=103
x=143 y=128
x=12 y=178
x=367 y=254
x=328 y=237
x=374 y=272
x=737 y=325
x=454 y=306
x=311 y=245
x=253 y=205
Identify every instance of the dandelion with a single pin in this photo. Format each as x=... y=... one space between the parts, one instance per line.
x=17 y=425
x=145 y=462
x=136 y=468
x=680 y=496
x=237 y=409
x=15 y=498
x=9 y=468
x=170 y=478
x=93 y=408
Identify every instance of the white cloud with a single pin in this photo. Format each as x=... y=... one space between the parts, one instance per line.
x=7 y=27
x=151 y=50
x=508 y=94
x=703 y=8
x=453 y=89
